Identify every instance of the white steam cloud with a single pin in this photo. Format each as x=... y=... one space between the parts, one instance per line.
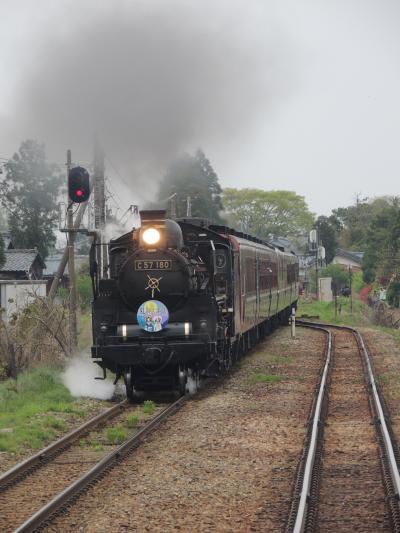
x=79 y=376
x=151 y=79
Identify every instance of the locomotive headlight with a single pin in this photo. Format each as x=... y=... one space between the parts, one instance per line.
x=151 y=236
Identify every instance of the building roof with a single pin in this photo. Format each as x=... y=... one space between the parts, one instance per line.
x=353 y=256
x=20 y=260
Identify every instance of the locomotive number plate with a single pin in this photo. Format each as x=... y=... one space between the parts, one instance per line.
x=159 y=264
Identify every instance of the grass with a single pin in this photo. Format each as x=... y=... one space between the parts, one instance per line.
x=116 y=435
x=326 y=311
x=148 y=407
x=258 y=377
x=29 y=408
x=278 y=359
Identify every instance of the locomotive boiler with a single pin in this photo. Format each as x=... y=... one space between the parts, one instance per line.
x=176 y=300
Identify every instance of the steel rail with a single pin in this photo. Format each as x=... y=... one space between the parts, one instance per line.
x=309 y=465
x=107 y=463
x=41 y=457
x=378 y=407
x=388 y=444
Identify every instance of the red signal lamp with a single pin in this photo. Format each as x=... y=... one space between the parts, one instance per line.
x=78 y=185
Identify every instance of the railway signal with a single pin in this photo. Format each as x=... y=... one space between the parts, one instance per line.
x=78 y=185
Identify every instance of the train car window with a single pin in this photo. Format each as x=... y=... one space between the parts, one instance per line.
x=251 y=267
x=268 y=274
x=291 y=273
x=220 y=260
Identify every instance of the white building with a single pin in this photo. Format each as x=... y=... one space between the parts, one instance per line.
x=15 y=295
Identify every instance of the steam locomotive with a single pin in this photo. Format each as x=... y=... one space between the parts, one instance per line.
x=176 y=300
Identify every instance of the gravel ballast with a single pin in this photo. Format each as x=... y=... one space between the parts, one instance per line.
x=225 y=462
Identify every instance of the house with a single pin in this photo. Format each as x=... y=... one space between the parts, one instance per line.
x=22 y=264
x=348 y=259
x=20 y=280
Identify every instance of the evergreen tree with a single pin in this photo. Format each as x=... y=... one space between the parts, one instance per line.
x=194 y=177
x=29 y=193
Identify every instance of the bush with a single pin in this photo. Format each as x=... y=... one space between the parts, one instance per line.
x=84 y=290
x=38 y=333
x=393 y=294
x=358 y=282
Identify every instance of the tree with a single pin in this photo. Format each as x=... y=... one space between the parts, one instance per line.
x=355 y=220
x=339 y=275
x=264 y=213
x=382 y=244
x=2 y=256
x=29 y=193
x=193 y=176
x=327 y=230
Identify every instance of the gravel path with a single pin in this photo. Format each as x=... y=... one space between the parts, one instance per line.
x=225 y=462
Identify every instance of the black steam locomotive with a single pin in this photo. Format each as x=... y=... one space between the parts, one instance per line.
x=176 y=300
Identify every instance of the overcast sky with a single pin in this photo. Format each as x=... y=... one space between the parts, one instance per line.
x=284 y=94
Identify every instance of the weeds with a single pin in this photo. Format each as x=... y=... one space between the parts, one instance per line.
x=55 y=423
x=148 y=407
x=116 y=435
x=132 y=421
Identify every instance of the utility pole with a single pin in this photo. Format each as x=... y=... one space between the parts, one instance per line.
x=73 y=336
x=100 y=208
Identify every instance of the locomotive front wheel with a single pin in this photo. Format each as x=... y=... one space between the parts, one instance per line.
x=130 y=390
x=182 y=382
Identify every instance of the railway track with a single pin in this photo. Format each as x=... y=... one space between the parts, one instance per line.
x=38 y=488
x=348 y=476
